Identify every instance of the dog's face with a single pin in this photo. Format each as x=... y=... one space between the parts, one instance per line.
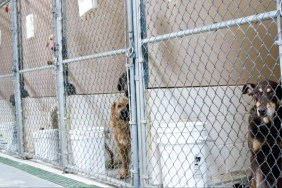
x=120 y=109
x=122 y=84
x=51 y=42
x=267 y=96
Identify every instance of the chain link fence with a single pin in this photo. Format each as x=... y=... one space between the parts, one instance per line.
x=200 y=54
x=139 y=93
x=8 y=137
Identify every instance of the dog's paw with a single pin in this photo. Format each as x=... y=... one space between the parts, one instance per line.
x=122 y=175
x=110 y=164
x=49 y=62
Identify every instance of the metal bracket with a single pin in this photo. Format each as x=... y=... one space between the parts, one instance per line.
x=130 y=52
x=141 y=60
x=278 y=42
x=133 y=171
x=143 y=122
x=14 y=70
x=128 y=65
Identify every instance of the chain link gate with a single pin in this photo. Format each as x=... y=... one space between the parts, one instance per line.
x=94 y=57
x=186 y=65
x=200 y=55
x=38 y=78
x=66 y=82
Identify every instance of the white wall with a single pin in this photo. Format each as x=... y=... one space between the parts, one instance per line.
x=35 y=113
x=88 y=111
x=7 y=113
x=223 y=109
x=84 y=112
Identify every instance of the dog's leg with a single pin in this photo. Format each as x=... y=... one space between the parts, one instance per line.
x=111 y=155
x=253 y=167
x=124 y=159
x=260 y=180
x=253 y=183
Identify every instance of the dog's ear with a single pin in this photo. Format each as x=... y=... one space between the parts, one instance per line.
x=122 y=82
x=119 y=86
x=70 y=89
x=279 y=91
x=248 y=89
x=114 y=105
x=12 y=100
x=127 y=106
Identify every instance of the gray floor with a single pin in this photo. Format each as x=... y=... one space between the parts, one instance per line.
x=13 y=177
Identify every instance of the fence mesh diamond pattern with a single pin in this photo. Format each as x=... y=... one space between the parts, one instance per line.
x=169 y=93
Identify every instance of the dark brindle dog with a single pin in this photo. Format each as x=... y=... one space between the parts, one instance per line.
x=265 y=134
x=122 y=83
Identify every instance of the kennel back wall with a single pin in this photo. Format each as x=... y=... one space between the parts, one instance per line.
x=188 y=62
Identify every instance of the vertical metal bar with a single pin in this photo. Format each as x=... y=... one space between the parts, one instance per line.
x=17 y=80
x=143 y=35
x=279 y=33
x=140 y=88
x=137 y=88
x=60 y=83
x=132 y=96
x=143 y=73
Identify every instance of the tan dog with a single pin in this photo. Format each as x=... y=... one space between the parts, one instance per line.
x=121 y=132
x=50 y=43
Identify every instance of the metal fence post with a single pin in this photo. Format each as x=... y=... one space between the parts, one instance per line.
x=17 y=79
x=279 y=33
x=60 y=83
x=133 y=105
x=140 y=78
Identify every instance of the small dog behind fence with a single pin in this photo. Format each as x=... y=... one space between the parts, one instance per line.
x=119 y=122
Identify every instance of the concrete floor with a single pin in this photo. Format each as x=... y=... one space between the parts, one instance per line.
x=13 y=177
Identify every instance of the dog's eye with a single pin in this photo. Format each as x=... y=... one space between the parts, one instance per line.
x=271 y=94
x=256 y=95
x=119 y=106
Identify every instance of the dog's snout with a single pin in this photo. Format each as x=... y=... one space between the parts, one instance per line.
x=124 y=115
x=261 y=110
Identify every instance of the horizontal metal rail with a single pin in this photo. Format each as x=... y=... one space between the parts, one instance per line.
x=37 y=69
x=6 y=75
x=83 y=58
x=3 y=3
x=213 y=27
x=96 y=56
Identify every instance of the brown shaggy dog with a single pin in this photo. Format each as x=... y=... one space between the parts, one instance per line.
x=121 y=132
